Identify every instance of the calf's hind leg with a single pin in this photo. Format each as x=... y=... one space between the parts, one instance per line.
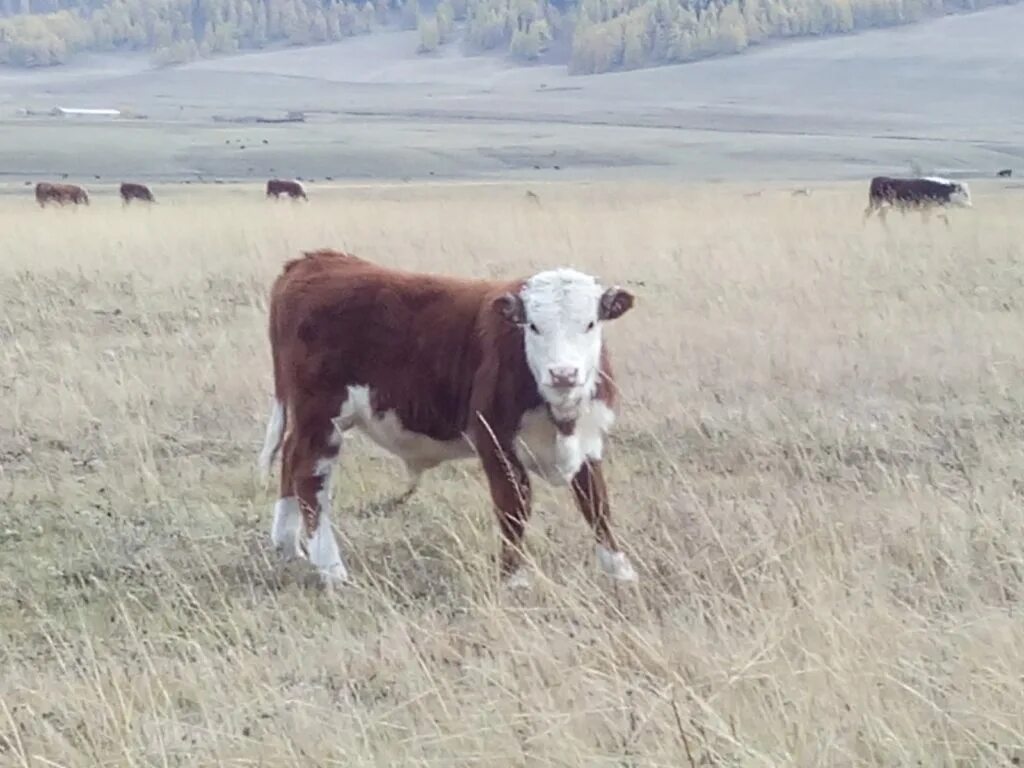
x=287 y=517
x=302 y=514
x=413 y=475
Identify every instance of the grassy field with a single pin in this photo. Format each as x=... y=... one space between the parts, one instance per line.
x=818 y=471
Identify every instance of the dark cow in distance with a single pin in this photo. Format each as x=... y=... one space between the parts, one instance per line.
x=915 y=194
x=433 y=369
x=131 y=191
x=278 y=187
x=60 y=193
x=1005 y=173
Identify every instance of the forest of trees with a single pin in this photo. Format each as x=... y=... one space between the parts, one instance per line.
x=600 y=35
x=180 y=30
x=608 y=35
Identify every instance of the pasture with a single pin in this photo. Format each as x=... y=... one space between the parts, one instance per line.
x=817 y=470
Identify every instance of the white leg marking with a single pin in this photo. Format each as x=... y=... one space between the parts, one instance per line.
x=324 y=552
x=519 y=579
x=272 y=440
x=287 y=522
x=323 y=546
x=615 y=564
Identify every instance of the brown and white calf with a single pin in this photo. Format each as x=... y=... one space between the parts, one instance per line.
x=433 y=369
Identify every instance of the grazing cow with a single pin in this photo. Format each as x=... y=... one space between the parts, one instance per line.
x=60 y=193
x=917 y=193
x=278 y=187
x=131 y=191
x=1005 y=173
x=434 y=369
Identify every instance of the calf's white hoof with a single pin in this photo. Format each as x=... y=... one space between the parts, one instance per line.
x=284 y=534
x=616 y=564
x=519 y=579
x=334 y=575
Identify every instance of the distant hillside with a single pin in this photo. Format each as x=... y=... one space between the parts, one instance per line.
x=595 y=35
x=178 y=30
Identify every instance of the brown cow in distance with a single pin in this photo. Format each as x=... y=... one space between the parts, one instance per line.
x=131 y=191
x=60 y=193
x=278 y=187
x=434 y=369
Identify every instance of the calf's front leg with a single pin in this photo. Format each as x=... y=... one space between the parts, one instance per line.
x=510 y=491
x=302 y=514
x=591 y=494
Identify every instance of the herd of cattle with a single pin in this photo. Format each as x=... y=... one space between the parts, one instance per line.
x=921 y=193
x=525 y=384
x=47 y=192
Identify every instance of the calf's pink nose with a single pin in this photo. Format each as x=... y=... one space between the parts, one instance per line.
x=563 y=378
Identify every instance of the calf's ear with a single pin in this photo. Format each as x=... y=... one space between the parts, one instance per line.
x=510 y=307
x=615 y=302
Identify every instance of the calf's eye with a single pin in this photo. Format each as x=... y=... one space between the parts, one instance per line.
x=590 y=325
x=534 y=328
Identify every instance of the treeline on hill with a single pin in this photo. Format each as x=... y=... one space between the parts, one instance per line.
x=607 y=35
x=180 y=30
x=602 y=35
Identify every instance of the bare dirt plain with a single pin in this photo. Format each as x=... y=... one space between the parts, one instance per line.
x=947 y=94
x=817 y=471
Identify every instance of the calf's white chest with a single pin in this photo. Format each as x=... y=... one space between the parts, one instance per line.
x=557 y=457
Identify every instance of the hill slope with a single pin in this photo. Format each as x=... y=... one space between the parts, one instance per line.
x=594 y=35
x=822 y=109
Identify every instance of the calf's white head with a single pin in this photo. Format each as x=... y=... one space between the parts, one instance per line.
x=959 y=192
x=961 y=195
x=561 y=312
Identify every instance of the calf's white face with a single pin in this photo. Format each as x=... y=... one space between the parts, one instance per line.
x=961 y=196
x=960 y=193
x=561 y=312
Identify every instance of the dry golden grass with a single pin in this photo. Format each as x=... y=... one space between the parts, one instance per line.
x=818 y=471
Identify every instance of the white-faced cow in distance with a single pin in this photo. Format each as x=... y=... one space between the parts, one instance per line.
x=433 y=369
x=921 y=194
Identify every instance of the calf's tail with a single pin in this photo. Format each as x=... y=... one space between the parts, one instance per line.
x=276 y=425
x=278 y=421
